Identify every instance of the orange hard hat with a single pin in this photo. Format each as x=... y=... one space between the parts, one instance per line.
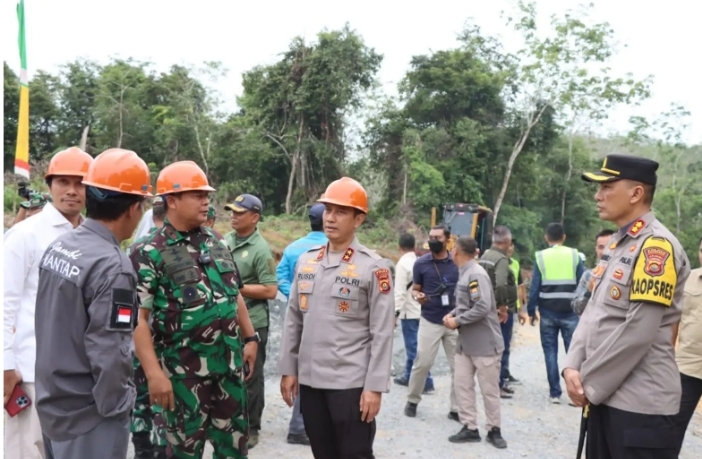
x=119 y=170
x=182 y=176
x=72 y=161
x=346 y=192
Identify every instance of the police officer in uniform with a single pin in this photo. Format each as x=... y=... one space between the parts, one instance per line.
x=337 y=340
x=496 y=263
x=621 y=360
x=86 y=311
x=188 y=287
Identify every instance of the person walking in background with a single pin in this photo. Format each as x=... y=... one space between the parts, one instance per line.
x=25 y=244
x=584 y=290
x=407 y=309
x=520 y=307
x=479 y=348
x=689 y=353
x=495 y=261
x=286 y=276
x=254 y=260
x=434 y=278
x=557 y=271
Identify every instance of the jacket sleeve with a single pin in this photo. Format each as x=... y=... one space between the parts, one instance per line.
x=479 y=297
x=107 y=345
x=284 y=274
x=502 y=286
x=582 y=296
x=534 y=291
x=18 y=260
x=147 y=276
x=614 y=360
x=402 y=277
x=382 y=326
x=292 y=333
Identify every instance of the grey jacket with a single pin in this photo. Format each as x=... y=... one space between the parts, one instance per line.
x=479 y=333
x=86 y=311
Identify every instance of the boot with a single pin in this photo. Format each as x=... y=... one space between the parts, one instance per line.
x=143 y=449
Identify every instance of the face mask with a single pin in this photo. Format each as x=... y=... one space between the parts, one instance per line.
x=436 y=246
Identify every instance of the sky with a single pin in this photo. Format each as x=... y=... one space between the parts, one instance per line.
x=662 y=38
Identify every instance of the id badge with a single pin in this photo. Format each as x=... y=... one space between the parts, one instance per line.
x=444 y=300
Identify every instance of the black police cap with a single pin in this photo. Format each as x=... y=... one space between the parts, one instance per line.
x=245 y=202
x=624 y=167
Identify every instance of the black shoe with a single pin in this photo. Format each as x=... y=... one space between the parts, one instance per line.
x=508 y=389
x=401 y=382
x=298 y=439
x=143 y=448
x=160 y=452
x=514 y=381
x=428 y=391
x=505 y=393
x=453 y=416
x=465 y=435
x=411 y=410
x=495 y=437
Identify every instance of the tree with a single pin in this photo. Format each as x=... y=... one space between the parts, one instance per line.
x=11 y=86
x=566 y=69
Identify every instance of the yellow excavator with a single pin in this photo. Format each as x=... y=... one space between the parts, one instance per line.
x=471 y=220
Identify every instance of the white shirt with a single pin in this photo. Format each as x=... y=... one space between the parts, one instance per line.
x=408 y=307
x=146 y=223
x=25 y=244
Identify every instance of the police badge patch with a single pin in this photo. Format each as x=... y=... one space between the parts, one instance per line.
x=474 y=290
x=303 y=302
x=654 y=278
x=383 y=276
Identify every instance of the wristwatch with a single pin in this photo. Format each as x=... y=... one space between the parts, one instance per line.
x=252 y=339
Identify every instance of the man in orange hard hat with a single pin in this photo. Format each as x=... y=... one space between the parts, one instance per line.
x=193 y=323
x=25 y=243
x=337 y=342
x=85 y=316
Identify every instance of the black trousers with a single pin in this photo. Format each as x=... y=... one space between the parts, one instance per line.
x=333 y=424
x=619 y=434
x=691 y=394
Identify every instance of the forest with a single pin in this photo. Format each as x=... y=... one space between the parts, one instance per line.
x=476 y=124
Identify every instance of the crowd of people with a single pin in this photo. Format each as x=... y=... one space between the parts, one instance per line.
x=166 y=340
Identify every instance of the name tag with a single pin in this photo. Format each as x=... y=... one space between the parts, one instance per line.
x=444 y=300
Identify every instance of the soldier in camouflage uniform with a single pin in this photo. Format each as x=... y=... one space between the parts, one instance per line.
x=148 y=442
x=188 y=286
x=211 y=216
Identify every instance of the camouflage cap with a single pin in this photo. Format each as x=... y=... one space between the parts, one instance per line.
x=211 y=213
x=36 y=200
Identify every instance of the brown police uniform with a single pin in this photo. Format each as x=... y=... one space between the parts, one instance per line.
x=338 y=342
x=622 y=346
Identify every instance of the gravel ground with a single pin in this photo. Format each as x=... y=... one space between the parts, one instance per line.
x=530 y=424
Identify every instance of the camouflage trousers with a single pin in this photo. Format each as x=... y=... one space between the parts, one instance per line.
x=212 y=408
x=146 y=417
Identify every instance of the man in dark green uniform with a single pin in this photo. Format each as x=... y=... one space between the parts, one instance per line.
x=211 y=217
x=149 y=442
x=189 y=287
x=256 y=266
x=496 y=262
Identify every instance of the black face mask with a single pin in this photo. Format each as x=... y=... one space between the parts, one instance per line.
x=436 y=246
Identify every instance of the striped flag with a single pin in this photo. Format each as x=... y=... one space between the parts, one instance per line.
x=22 y=149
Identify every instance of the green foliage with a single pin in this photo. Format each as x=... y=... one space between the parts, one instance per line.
x=472 y=124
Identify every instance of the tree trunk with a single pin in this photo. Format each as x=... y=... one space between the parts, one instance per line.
x=523 y=136
x=293 y=169
x=199 y=146
x=84 y=138
x=567 y=179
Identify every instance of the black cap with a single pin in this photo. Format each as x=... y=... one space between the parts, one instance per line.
x=316 y=212
x=245 y=202
x=624 y=167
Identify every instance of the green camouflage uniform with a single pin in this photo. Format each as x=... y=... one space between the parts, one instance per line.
x=189 y=283
x=145 y=416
